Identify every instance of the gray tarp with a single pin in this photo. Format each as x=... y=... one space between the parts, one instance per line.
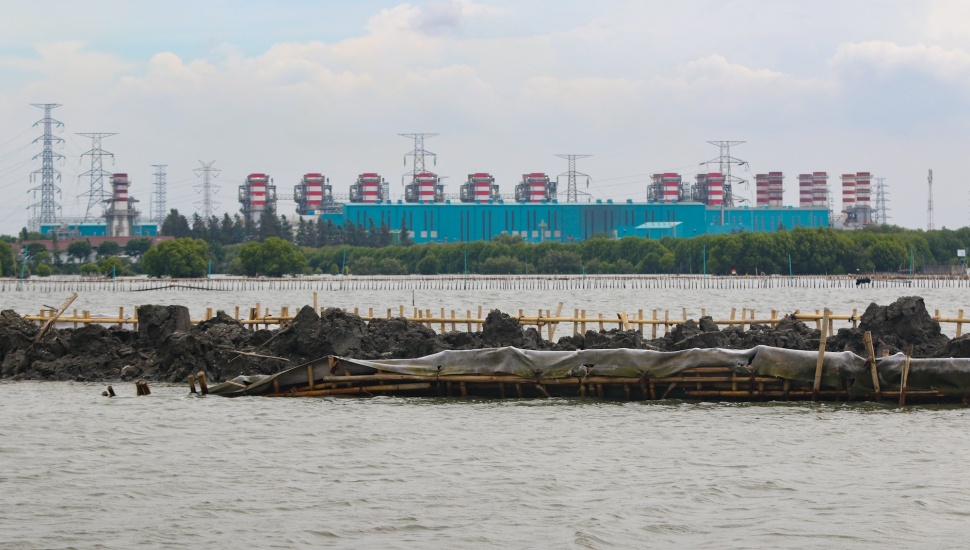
x=950 y=376
x=761 y=360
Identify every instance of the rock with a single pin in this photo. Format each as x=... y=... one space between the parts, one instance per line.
x=707 y=324
x=958 y=347
x=157 y=323
x=903 y=323
x=500 y=330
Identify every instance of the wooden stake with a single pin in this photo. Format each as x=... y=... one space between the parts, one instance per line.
x=50 y=322
x=959 y=322
x=905 y=379
x=192 y=384
x=867 y=340
x=203 y=387
x=821 y=357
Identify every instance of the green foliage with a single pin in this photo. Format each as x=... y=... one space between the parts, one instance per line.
x=79 y=251
x=175 y=225
x=109 y=248
x=392 y=266
x=90 y=269
x=502 y=265
x=561 y=262
x=136 y=248
x=178 y=258
x=429 y=265
x=43 y=270
x=8 y=266
x=112 y=267
x=273 y=257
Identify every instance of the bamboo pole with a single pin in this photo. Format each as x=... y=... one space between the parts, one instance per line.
x=905 y=377
x=867 y=340
x=821 y=358
x=53 y=319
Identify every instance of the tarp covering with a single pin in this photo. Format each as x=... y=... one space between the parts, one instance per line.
x=561 y=364
x=799 y=366
x=950 y=376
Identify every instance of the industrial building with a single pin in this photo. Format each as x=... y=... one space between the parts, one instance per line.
x=121 y=218
x=533 y=212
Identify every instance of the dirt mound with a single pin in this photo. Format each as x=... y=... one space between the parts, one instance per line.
x=166 y=347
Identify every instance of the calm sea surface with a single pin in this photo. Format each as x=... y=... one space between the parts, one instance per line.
x=79 y=470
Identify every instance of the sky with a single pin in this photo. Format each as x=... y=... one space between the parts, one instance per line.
x=296 y=86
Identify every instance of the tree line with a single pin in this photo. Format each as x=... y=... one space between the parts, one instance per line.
x=202 y=247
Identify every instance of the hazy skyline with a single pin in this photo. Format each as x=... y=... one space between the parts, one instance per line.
x=290 y=87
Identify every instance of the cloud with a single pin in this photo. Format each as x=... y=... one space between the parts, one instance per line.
x=886 y=58
x=433 y=19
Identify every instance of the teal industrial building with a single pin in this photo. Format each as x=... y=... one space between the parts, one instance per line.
x=571 y=222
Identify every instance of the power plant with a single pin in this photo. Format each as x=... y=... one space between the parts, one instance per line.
x=674 y=206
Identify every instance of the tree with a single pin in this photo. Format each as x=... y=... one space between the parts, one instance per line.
x=429 y=265
x=405 y=235
x=79 y=250
x=501 y=265
x=178 y=258
x=136 y=248
x=561 y=262
x=392 y=266
x=273 y=257
x=109 y=248
x=90 y=269
x=269 y=224
x=8 y=266
x=111 y=267
x=175 y=225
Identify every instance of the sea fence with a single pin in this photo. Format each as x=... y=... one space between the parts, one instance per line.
x=477 y=282
x=652 y=323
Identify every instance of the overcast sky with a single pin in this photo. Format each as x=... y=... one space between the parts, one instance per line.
x=289 y=87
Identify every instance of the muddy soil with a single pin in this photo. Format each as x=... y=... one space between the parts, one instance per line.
x=167 y=347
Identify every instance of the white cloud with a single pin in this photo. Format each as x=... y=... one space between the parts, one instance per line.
x=946 y=64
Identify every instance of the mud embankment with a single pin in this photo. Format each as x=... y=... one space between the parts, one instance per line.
x=167 y=347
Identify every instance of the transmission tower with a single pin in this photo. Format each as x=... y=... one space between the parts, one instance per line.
x=96 y=193
x=207 y=189
x=882 y=216
x=48 y=173
x=571 y=193
x=929 y=203
x=725 y=161
x=417 y=155
x=158 y=197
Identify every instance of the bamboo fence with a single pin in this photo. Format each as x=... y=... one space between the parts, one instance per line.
x=649 y=323
x=474 y=282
